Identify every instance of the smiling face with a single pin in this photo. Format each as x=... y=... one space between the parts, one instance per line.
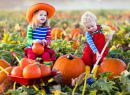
x=91 y=25
x=42 y=17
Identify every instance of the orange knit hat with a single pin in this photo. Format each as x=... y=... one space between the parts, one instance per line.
x=50 y=9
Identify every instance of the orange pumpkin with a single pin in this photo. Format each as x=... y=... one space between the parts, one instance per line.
x=24 y=62
x=45 y=70
x=75 y=32
x=113 y=65
x=75 y=45
x=17 y=71
x=3 y=75
x=4 y=64
x=31 y=71
x=38 y=48
x=70 y=67
x=110 y=17
x=56 y=31
x=108 y=23
x=67 y=38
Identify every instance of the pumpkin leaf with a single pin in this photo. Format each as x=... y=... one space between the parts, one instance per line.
x=105 y=74
x=14 y=92
x=30 y=91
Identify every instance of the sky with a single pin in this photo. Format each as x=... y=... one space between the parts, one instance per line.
x=67 y=4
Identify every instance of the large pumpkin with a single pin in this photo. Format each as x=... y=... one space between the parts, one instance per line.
x=70 y=67
x=113 y=65
x=4 y=64
x=38 y=48
x=3 y=75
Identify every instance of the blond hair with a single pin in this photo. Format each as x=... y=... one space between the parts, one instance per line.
x=87 y=16
x=34 y=22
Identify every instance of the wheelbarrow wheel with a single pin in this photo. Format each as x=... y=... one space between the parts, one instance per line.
x=46 y=89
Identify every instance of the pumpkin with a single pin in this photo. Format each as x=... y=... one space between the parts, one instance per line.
x=24 y=62
x=75 y=45
x=31 y=71
x=38 y=48
x=113 y=65
x=4 y=64
x=17 y=71
x=70 y=67
x=110 y=17
x=56 y=31
x=45 y=70
x=75 y=32
x=8 y=83
x=3 y=75
x=108 y=23
x=67 y=38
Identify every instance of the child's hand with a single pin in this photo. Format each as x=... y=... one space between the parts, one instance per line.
x=97 y=55
x=109 y=38
x=44 y=41
x=37 y=41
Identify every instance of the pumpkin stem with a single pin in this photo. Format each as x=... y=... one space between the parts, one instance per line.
x=70 y=57
x=37 y=61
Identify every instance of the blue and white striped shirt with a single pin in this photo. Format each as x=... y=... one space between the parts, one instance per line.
x=39 y=33
x=90 y=42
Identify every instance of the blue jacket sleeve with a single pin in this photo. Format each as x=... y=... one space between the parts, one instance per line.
x=90 y=42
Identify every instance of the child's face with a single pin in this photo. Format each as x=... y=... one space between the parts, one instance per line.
x=42 y=17
x=91 y=25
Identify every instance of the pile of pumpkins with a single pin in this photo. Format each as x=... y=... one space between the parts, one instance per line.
x=30 y=69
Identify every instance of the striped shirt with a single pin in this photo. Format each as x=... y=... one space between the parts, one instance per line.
x=104 y=28
x=39 y=33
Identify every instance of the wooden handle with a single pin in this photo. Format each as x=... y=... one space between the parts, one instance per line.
x=100 y=56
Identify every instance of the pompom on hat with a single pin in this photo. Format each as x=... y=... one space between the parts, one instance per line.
x=39 y=6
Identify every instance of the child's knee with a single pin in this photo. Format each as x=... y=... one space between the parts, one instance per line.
x=46 y=56
x=32 y=56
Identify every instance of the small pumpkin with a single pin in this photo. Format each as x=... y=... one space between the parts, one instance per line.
x=113 y=65
x=4 y=64
x=67 y=38
x=38 y=48
x=75 y=45
x=75 y=31
x=110 y=17
x=17 y=71
x=32 y=71
x=70 y=67
x=45 y=70
x=24 y=62
x=3 y=75
x=56 y=32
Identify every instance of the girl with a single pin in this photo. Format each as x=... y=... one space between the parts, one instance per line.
x=95 y=40
x=39 y=31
